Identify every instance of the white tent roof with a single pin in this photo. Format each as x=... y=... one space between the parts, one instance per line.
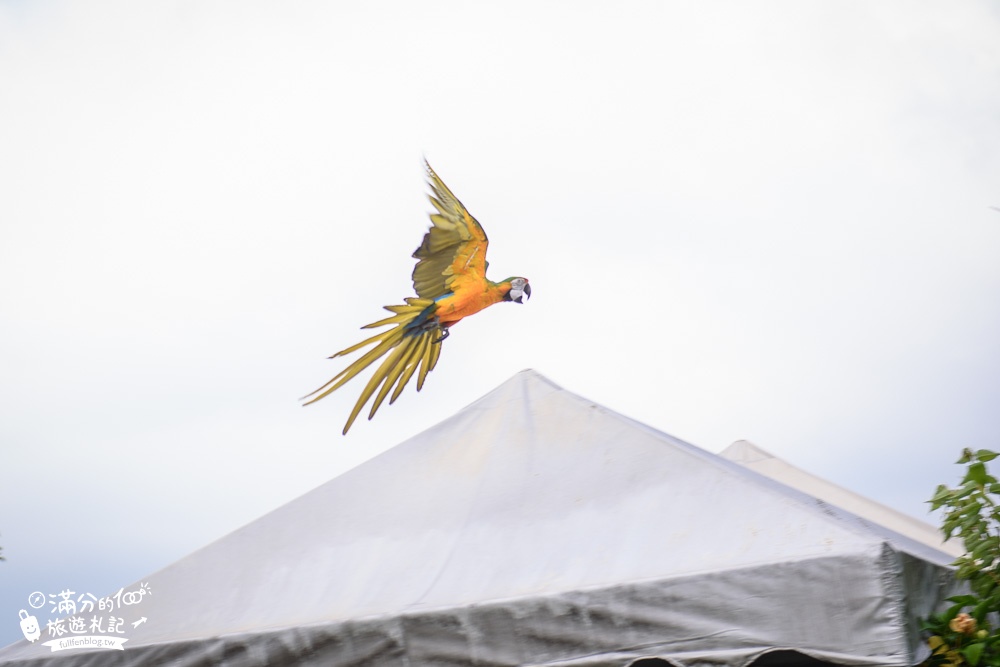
x=750 y=455
x=535 y=527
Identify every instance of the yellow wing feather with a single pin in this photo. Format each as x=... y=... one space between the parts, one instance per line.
x=412 y=366
x=454 y=248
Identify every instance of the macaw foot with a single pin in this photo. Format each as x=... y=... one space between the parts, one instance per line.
x=430 y=325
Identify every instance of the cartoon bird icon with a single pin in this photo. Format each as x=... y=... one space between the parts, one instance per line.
x=451 y=284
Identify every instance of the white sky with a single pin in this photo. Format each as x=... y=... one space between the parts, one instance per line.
x=766 y=221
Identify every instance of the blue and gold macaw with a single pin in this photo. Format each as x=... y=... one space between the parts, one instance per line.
x=451 y=284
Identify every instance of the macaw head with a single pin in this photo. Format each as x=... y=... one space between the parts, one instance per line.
x=519 y=288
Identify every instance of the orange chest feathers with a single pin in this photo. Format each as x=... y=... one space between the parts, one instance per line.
x=468 y=301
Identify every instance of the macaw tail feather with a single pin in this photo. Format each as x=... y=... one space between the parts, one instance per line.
x=413 y=344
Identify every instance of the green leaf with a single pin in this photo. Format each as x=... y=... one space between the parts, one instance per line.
x=961 y=600
x=973 y=652
x=977 y=474
x=982 y=548
x=966 y=456
x=985 y=455
x=967 y=489
x=980 y=611
x=978 y=584
x=965 y=571
x=941 y=492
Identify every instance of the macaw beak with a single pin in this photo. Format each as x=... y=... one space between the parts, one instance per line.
x=526 y=292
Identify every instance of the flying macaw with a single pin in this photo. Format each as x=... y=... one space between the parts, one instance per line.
x=451 y=284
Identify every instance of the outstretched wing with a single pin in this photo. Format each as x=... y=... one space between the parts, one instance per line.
x=453 y=251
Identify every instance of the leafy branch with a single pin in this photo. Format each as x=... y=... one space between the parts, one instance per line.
x=962 y=634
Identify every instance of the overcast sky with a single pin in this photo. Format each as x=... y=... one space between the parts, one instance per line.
x=767 y=221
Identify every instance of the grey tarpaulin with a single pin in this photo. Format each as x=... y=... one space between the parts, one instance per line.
x=535 y=527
